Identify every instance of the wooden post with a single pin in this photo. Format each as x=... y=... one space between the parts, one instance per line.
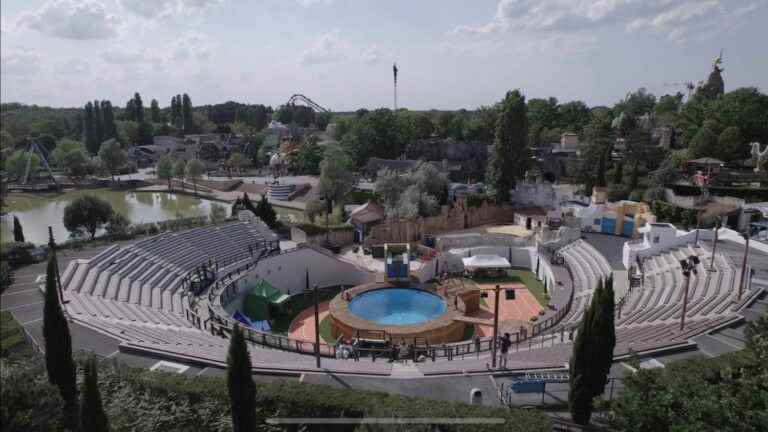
x=317 y=328
x=743 y=266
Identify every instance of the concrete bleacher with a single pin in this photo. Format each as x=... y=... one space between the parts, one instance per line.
x=140 y=284
x=659 y=300
x=588 y=266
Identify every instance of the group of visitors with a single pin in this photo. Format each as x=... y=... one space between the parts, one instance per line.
x=346 y=349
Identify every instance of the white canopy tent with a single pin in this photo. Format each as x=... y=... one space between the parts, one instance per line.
x=485 y=262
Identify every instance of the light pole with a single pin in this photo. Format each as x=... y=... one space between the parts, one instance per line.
x=714 y=246
x=688 y=265
x=317 y=320
x=495 y=323
x=698 y=226
x=743 y=264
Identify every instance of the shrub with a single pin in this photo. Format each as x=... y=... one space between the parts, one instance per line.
x=16 y=254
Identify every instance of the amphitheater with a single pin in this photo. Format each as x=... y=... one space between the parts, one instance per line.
x=172 y=296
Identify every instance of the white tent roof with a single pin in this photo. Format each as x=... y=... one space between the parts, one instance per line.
x=485 y=262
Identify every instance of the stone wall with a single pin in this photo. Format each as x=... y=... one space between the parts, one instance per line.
x=455 y=218
x=338 y=237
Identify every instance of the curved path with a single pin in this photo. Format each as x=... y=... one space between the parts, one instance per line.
x=303 y=326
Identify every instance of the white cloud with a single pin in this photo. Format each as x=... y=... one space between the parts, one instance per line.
x=192 y=45
x=19 y=61
x=72 y=19
x=308 y=3
x=120 y=55
x=673 y=18
x=372 y=55
x=328 y=48
x=73 y=66
x=155 y=9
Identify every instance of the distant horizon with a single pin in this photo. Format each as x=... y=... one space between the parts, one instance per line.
x=451 y=55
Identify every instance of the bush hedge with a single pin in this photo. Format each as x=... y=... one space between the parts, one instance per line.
x=137 y=399
x=16 y=254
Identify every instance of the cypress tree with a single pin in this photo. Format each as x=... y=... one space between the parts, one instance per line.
x=58 y=346
x=91 y=141
x=266 y=212
x=186 y=112
x=618 y=174
x=138 y=108
x=92 y=416
x=581 y=389
x=108 y=123
x=98 y=122
x=600 y=176
x=154 y=111
x=18 y=231
x=634 y=177
x=130 y=112
x=606 y=337
x=509 y=158
x=242 y=391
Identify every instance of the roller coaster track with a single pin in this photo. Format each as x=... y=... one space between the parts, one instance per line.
x=309 y=102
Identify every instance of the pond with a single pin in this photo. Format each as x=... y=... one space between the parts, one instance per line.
x=37 y=212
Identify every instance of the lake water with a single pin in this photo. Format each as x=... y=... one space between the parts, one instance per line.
x=37 y=212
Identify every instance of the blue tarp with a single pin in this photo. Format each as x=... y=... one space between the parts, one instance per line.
x=256 y=325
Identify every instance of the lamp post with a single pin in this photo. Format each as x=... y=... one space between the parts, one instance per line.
x=714 y=246
x=743 y=264
x=317 y=323
x=698 y=226
x=496 y=291
x=688 y=265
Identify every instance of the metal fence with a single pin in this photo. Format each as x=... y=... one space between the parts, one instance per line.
x=226 y=286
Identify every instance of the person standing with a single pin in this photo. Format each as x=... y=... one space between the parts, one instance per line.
x=505 y=343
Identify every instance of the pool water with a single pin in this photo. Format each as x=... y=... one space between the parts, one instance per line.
x=397 y=306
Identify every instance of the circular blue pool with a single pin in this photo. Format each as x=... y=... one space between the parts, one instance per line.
x=397 y=306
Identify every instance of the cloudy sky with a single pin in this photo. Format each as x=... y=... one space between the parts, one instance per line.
x=451 y=53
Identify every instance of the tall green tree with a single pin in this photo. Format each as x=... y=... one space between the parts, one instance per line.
x=195 y=170
x=704 y=143
x=154 y=111
x=165 y=170
x=730 y=145
x=592 y=355
x=180 y=171
x=18 y=231
x=266 y=213
x=600 y=172
x=138 y=108
x=112 y=157
x=89 y=130
x=108 y=120
x=336 y=178
x=618 y=173
x=98 y=121
x=310 y=156
x=509 y=157
x=242 y=391
x=86 y=215
x=92 y=416
x=144 y=132
x=186 y=113
x=58 y=345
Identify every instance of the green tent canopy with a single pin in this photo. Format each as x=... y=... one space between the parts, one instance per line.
x=257 y=301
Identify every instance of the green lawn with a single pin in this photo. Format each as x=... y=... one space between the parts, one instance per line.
x=12 y=337
x=325 y=331
x=517 y=275
x=297 y=303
